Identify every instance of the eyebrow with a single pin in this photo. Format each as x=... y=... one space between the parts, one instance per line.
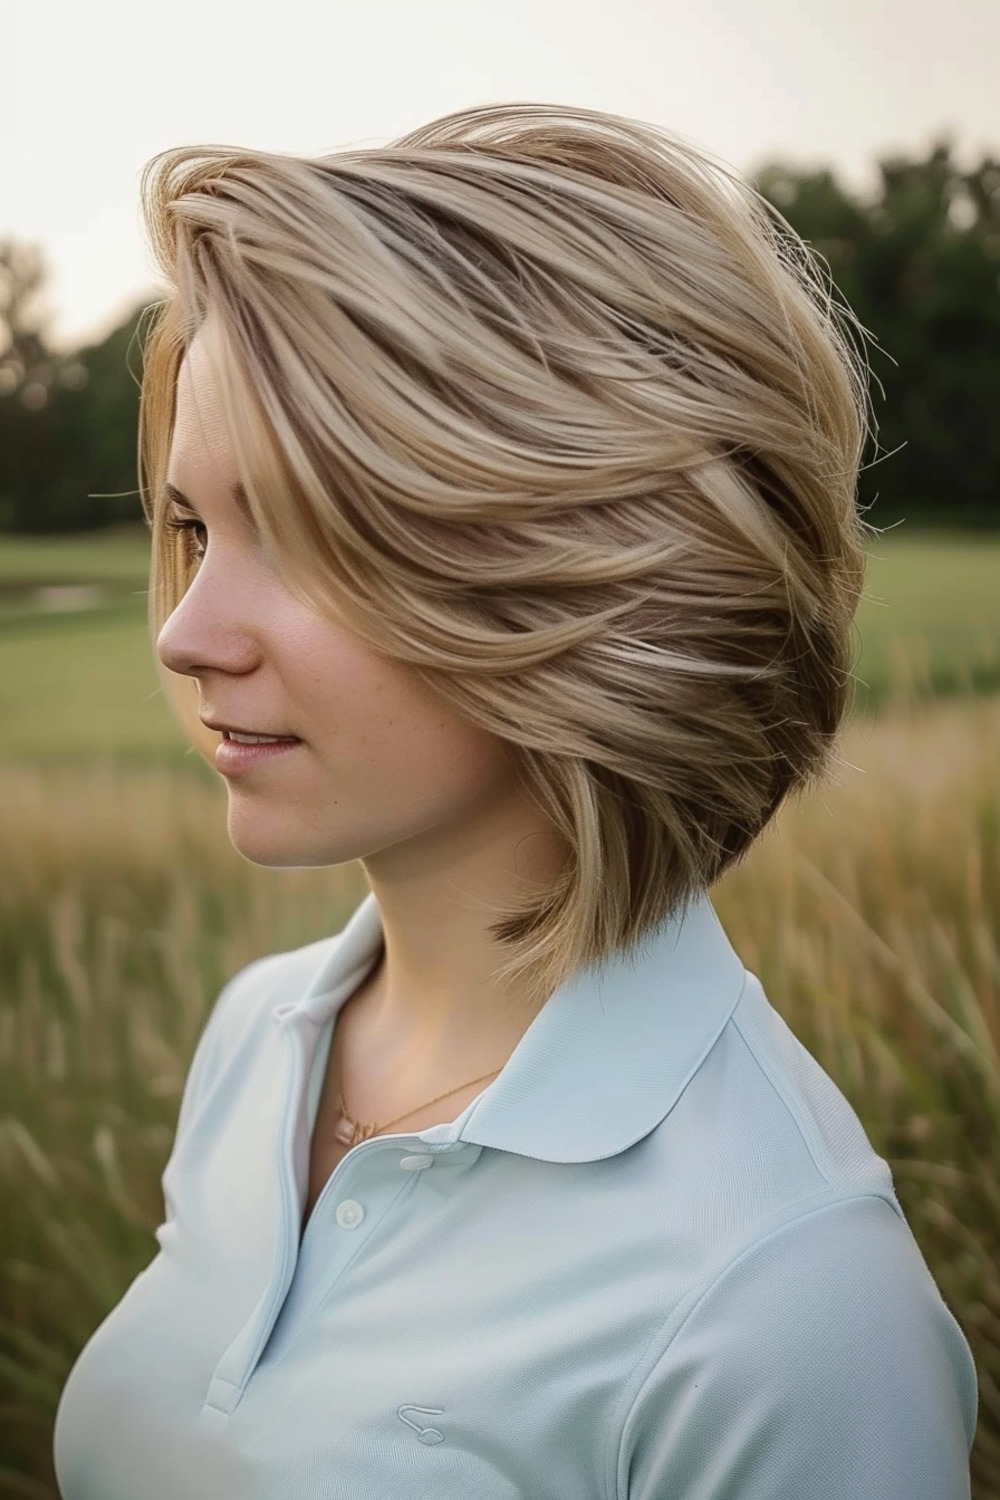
x=237 y=493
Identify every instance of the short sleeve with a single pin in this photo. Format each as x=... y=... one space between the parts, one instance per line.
x=822 y=1363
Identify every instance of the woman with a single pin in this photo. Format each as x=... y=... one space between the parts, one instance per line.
x=503 y=480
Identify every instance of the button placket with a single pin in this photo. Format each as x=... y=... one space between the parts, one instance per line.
x=239 y=1361
x=349 y=1213
x=326 y=1254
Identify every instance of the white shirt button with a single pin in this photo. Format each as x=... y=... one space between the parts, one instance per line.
x=349 y=1213
x=414 y=1163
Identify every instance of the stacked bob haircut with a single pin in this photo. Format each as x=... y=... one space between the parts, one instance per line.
x=558 y=410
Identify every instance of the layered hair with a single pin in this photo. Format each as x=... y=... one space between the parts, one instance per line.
x=559 y=411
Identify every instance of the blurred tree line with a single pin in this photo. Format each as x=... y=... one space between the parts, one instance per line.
x=918 y=261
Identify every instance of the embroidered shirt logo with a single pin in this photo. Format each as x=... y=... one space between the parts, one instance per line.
x=425 y=1434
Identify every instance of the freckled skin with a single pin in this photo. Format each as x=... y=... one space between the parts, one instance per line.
x=388 y=773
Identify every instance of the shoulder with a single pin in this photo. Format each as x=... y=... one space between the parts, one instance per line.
x=821 y=1360
x=758 y=1135
x=813 y=1353
x=763 y=1129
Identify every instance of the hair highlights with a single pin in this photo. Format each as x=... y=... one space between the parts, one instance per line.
x=556 y=409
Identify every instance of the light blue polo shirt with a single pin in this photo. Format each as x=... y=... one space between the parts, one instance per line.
x=655 y=1259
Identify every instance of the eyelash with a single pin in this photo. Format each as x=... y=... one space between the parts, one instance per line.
x=187 y=527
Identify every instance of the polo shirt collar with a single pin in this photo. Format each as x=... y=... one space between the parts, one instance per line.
x=606 y=1057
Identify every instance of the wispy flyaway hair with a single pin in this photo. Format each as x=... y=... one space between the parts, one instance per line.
x=554 y=407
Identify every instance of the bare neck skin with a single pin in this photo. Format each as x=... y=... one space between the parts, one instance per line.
x=431 y=998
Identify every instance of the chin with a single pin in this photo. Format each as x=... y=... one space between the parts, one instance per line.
x=272 y=844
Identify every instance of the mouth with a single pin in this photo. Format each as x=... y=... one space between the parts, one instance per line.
x=240 y=738
x=241 y=735
x=234 y=756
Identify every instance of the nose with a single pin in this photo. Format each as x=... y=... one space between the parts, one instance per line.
x=210 y=628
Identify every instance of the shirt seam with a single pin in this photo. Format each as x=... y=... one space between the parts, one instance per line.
x=700 y=1294
x=825 y=1167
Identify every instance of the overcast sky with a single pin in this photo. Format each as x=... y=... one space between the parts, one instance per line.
x=93 y=88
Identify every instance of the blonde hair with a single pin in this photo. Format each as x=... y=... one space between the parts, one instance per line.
x=556 y=409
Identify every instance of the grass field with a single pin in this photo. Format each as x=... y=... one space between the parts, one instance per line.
x=83 y=681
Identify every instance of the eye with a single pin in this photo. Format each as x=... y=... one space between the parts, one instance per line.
x=194 y=551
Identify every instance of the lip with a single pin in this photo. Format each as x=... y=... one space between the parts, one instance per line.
x=222 y=728
x=232 y=758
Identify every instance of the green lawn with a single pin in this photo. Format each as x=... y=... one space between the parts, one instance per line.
x=932 y=607
x=83 y=681
x=121 y=555
x=80 y=680
x=115 y=562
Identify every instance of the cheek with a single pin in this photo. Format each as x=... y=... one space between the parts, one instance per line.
x=437 y=762
x=396 y=730
x=326 y=671
x=374 y=719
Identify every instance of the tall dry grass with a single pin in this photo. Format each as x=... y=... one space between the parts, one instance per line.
x=869 y=912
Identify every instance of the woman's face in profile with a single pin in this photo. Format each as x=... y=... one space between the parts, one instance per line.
x=381 y=763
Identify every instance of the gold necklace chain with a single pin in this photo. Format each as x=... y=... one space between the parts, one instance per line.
x=359 y=1132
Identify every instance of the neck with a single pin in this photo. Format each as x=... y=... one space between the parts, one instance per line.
x=432 y=996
